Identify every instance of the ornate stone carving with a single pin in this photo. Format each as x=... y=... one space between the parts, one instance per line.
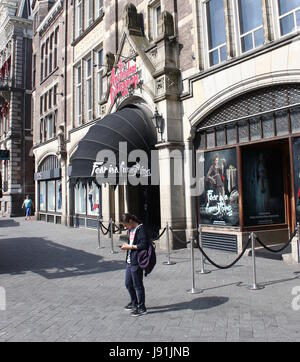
x=61 y=149
x=110 y=60
x=160 y=85
x=166 y=24
x=131 y=20
x=153 y=56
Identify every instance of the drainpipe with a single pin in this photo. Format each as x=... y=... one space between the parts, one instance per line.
x=24 y=115
x=117 y=25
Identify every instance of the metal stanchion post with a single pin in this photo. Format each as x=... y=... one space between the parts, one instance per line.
x=202 y=270
x=193 y=290
x=99 y=232
x=298 y=241
x=112 y=236
x=169 y=262
x=254 y=286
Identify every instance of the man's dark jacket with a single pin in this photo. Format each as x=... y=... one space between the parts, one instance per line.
x=142 y=243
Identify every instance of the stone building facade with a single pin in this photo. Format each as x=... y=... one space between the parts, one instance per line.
x=52 y=99
x=220 y=80
x=15 y=106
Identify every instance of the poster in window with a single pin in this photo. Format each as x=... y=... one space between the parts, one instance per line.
x=263 y=188
x=296 y=156
x=219 y=201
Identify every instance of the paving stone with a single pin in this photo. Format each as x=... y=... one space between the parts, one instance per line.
x=61 y=287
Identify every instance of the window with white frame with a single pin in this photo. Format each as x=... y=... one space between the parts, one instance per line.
x=93 y=201
x=33 y=70
x=79 y=13
x=41 y=130
x=156 y=16
x=80 y=198
x=289 y=16
x=89 y=88
x=51 y=53
x=216 y=31
x=50 y=126
x=48 y=114
x=99 y=8
x=46 y=58
x=250 y=24
x=42 y=61
x=41 y=105
x=78 y=104
x=88 y=12
x=55 y=47
x=99 y=79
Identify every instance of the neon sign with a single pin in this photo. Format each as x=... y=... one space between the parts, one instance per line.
x=122 y=78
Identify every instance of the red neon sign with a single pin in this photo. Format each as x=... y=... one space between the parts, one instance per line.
x=122 y=78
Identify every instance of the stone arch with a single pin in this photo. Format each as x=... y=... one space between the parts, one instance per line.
x=44 y=157
x=49 y=162
x=235 y=91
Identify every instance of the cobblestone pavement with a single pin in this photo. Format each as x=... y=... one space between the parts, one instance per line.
x=61 y=287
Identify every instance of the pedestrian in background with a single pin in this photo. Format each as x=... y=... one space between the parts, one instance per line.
x=28 y=204
x=134 y=274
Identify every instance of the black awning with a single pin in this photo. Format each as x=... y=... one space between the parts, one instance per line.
x=128 y=125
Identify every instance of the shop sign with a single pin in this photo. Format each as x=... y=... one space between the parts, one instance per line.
x=219 y=200
x=263 y=187
x=101 y=169
x=124 y=77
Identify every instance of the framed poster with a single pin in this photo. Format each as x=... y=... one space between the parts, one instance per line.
x=219 y=200
x=263 y=186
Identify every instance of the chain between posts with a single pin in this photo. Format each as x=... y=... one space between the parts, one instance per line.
x=223 y=266
x=277 y=250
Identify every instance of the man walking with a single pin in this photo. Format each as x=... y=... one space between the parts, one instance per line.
x=28 y=204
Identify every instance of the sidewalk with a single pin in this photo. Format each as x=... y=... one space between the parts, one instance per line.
x=61 y=287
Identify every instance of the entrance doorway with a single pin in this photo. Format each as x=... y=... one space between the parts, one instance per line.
x=266 y=182
x=144 y=202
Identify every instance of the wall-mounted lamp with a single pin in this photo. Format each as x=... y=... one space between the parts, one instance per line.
x=159 y=123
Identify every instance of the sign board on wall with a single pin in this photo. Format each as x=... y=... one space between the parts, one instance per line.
x=263 y=188
x=219 y=201
x=124 y=77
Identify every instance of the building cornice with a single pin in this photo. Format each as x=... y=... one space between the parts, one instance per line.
x=50 y=17
x=270 y=46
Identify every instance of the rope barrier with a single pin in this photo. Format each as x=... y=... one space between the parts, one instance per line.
x=101 y=228
x=227 y=266
x=159 y=236
x=178 y=239
x=277 y=250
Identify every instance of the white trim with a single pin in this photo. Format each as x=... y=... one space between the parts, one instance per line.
x=48 y=16
x=206 y=30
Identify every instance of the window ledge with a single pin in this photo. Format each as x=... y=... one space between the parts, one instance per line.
x=49 y=75
x=87 y=30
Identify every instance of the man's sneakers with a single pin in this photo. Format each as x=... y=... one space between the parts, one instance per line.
x=139 y=311
x=130 y=307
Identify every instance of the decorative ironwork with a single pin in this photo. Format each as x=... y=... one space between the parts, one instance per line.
x=251 y=104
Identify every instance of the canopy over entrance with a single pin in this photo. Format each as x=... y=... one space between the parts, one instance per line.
x=129 y=125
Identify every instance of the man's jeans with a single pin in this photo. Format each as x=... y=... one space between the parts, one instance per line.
x=134 y=284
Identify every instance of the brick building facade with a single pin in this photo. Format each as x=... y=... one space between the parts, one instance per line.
x=17 y=164
x=218 y=78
